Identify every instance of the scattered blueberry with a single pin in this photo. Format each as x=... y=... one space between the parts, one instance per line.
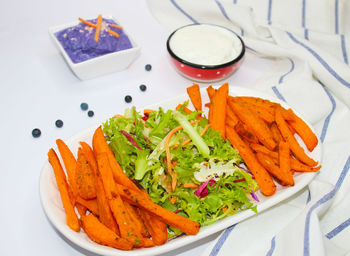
x=91 y=113
x=36 y=133
x=128 y=99
x=148 y=67
x=84 y=106
x=59 y=123
x=143 y=87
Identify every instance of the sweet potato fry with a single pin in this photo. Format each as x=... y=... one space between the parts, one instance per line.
x=71 y=217
x=218 y=109
x=261 y=148
x=102 y=234
x=275 y=132
x=91 y=205
x=231 y=117
x=89 y=154
x=127 y=228
x=262 y=177
x=155 y=226
x=297 y=150
x=263 y=113
x=104 y=210
x=304 y=131
x=84 y=177
x=138 y=199
x=195 y=96
x=254 y=123
x=245 y=133
x=136 y=218
x=296 y=165
x=257 y=103
x=274 y=170
x=100 y=145
x=70 y=164
x=284 y=157
x=211 y=92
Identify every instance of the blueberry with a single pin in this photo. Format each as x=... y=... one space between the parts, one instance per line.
x=148 y=67
x=36 y=133
x=143 y=87
x=91 y=113
x=128 y=99
x=84 y=106
x=59 y=123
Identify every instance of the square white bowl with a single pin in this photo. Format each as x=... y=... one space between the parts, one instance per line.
x=98 y=66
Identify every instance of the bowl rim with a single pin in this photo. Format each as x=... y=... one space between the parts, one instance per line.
x=235 y=60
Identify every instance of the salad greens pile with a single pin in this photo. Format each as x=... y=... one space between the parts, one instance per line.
x=209 y=163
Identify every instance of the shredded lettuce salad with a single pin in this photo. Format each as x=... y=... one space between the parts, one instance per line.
x=224 y=187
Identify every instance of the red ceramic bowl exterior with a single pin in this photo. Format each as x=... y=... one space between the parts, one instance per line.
x=205 y=73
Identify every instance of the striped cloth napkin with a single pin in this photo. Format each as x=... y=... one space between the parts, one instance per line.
x=309 y=43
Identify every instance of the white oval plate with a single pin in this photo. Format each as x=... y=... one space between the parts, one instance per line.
x=53 y=208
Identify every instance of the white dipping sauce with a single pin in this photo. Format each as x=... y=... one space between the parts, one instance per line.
x=205 y=44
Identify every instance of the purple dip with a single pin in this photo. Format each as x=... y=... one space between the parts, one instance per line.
x=80 y=45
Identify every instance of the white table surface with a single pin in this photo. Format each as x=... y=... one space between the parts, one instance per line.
x=37 y=88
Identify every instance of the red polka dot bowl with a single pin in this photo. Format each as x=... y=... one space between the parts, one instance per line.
x=202 y=70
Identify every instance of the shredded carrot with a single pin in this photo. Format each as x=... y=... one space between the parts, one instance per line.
x=95 y=26
x=186 y=109
x=173 y=200
x=98 y=27
x=116 y=26
x=205 y=129
x=113 y=33
x=148 y=111
x=87 y=23
x=224 y=209
x=168 y=157
x=118 y=116
x=190 y=185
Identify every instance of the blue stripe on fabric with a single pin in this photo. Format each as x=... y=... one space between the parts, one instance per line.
x=322 y=61
x=338 y=229
x=306 y=34
x=328 y=118
x=343 y=48
x=336 y=14
x=234 y=1
x=308 y=196
x=290 y=71
x=183 y=12
x=222 y=9
x=221 y=241
x=303 y=7
x=242 y=32
x=272 y=248
x=323 y=200
x=269 y=12
x=278 y=94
